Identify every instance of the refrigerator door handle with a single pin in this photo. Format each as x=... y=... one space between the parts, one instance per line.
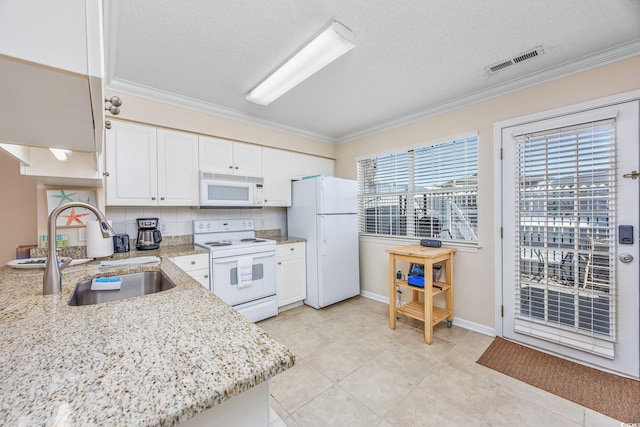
x=323 y=236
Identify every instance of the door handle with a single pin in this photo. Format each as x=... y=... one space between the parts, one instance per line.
x=632 y=175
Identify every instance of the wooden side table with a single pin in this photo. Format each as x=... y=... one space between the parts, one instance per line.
x=423 y=311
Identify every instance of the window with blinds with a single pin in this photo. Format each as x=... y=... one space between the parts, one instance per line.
x=565 y=210
x=426 y=192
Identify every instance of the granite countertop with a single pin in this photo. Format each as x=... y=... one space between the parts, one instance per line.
x=282 y=240
x=157 y=359
x=274 y=234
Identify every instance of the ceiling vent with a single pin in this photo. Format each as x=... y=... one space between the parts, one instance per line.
x=492 y=69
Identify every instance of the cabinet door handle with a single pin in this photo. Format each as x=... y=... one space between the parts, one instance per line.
x=293 y=249
x=206 y=276
x=153 y=198
x=193 y=262
x=106 y=174
x=236 y=167
x=161 y=198
x=230 y=167
x=279 y=263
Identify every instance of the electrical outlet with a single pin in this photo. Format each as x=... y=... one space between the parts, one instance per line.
x=82 y=234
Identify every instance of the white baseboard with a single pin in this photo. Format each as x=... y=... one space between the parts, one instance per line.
x=475 y=327
x=375 y=297
x=289 y=306
x=462 y=323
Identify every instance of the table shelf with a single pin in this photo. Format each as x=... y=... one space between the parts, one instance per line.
x=436 y=291
x=415 y=309
x=423 y=311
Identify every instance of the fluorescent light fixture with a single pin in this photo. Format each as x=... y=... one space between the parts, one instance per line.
x=331 y=44
x=60 y=153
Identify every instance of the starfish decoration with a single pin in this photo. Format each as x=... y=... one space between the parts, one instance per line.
x=74 y=217
x=64 y=197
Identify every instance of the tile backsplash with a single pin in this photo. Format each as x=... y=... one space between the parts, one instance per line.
x=177 y=221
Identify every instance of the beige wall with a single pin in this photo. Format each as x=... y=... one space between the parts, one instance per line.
x=474 y=296
x=159 y=114
x=18 y=208
x=474 y=275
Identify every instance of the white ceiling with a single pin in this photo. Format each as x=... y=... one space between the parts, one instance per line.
x=413 y=58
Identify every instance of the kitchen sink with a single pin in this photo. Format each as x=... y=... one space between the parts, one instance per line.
x=133 y=285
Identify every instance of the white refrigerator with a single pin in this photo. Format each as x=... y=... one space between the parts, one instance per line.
x=324 y=212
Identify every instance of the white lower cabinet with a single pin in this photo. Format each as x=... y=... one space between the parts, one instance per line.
x=196 y=266
x=291 y=273
x=249 y=408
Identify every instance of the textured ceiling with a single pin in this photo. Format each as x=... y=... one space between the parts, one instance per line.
x=412 y=57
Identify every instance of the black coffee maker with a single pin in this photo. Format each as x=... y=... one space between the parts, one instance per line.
x=149 y=236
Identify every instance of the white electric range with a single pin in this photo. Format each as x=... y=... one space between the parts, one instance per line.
x=243 y=267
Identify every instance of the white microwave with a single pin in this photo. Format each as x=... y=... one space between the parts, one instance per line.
x=230 y=191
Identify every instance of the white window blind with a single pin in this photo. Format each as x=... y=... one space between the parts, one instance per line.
x=565 y=210
x=427 y=192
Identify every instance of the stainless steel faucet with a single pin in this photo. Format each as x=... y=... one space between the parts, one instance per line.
x=52 y=282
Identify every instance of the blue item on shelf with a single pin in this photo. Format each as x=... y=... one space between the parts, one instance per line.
x=416 y=281
x=416 y=270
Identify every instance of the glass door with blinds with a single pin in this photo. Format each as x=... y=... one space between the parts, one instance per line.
x=570 y=282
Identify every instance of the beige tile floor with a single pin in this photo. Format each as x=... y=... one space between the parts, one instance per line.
x=352 y=370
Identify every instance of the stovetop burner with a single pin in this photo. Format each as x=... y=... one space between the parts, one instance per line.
x=220 y=243
x=229 y=236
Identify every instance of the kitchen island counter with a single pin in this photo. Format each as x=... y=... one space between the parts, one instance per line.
x=157 y=359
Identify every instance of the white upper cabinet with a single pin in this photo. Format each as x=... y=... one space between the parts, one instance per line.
x=247 y=159
x=50 y=33
x=276 y=169
x=306 y=165
x=177 y=168
x=131 y=168
x=229 y=157
x=51 y=61
x=146 y=166
x=216 y=155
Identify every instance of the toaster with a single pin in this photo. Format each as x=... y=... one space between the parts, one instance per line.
x=121 y=243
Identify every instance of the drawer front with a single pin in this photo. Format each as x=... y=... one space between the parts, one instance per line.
x=192 y=262
x=202 y=276
x=288 y=249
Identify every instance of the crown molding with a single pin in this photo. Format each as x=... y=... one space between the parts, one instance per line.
x=192 y=104
x=598 y=59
